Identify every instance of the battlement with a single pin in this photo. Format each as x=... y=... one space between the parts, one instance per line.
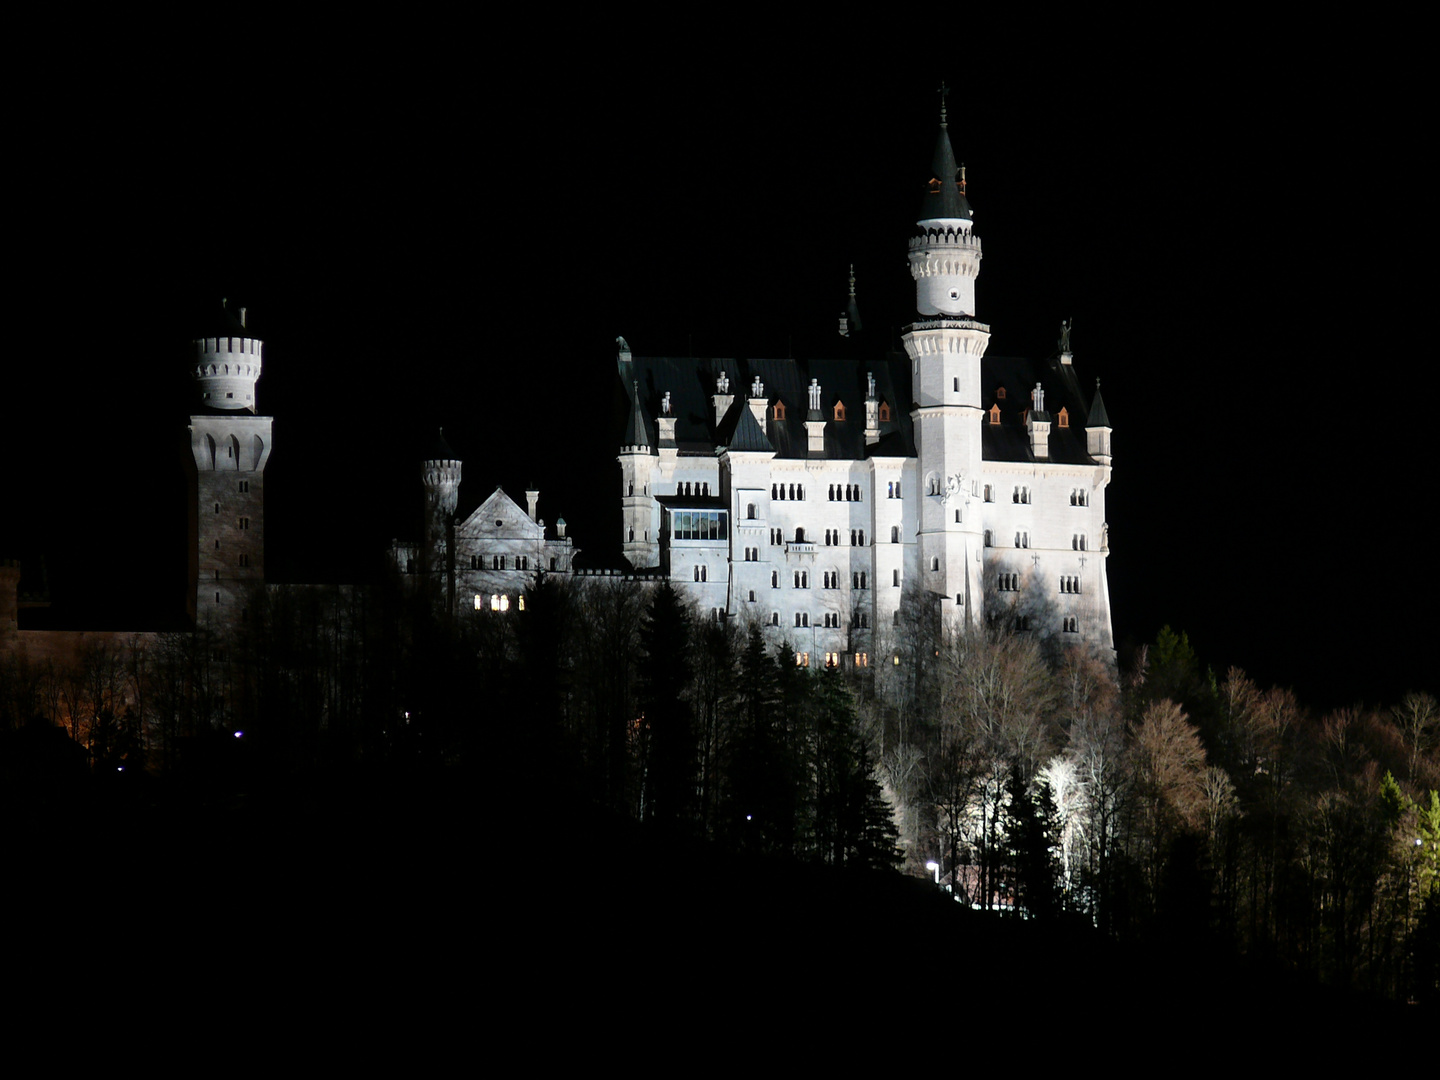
x=226 y=369
x=932 y=237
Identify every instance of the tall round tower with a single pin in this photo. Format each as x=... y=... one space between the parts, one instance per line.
x=229 y=447
x=441 y=475
x=945 y=345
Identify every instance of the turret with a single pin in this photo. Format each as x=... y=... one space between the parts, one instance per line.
x=946 y=344
x=945 y=253
x=227 y=365
x=1097 y=429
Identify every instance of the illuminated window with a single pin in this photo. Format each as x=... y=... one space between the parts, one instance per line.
x=839 y=410
x=1000 y=393
x=1063 y=417
x=862 y=659
x=995 y=414
x=884 y=412
x=779 y=412
x=832 y=660
x=520 y=602
x=478 y=602
x=802 y=659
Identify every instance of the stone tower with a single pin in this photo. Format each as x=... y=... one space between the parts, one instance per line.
x=441 y=475
x=640 y=540
x=229 y=446
x=946 y=344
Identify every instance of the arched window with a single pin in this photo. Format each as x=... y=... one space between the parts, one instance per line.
x=934 y=562
x=779 y=410
x=995 y=415
x=750 y=511
x=1063 y=417
x=799 y=536
x=839 y=410
x=894 y=534
x=884 y=412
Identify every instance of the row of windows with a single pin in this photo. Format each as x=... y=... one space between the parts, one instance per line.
x=501 y=562
x=1069 y=584
x=845 y=493
x=1021 y=495
x=699 y=525
x=499 y=602
x=892 y=490
x=687 y=488
x=1007 y=582
x=778 y=492
x=831 y=620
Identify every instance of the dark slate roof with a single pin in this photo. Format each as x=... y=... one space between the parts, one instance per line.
x=438 y=449
x=637 y=432
x=1098 y=416
x=1008 y=440
x=222 y=321
x=945 y=198
x=691 y=384
x=748 y=435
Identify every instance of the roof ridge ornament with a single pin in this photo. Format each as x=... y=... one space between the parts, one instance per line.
x=944 y=92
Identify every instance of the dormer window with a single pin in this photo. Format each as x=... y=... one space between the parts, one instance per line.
x=884 y=412
x=839 y=410
x=1063 y=417
x=995 y=414
x=1000 y=394
x=779 y=413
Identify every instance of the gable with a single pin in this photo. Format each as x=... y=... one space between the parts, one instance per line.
x=500 y=516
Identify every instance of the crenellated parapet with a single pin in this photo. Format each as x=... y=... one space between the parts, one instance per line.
x=226 y=369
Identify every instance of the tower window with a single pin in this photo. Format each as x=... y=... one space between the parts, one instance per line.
x=779 y=413
x=244 y=487
x=839 y=410
x=884 y=412
x=995 y=414
x=1063 y=417
x=895 y=578
x=244 y=523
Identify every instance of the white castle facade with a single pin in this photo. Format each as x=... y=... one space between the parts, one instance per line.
x=806 y=497
x=809 y=496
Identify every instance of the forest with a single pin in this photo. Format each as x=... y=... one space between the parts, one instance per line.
x=1028 y=780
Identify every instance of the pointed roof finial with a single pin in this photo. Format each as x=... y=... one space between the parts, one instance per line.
x=852 y=281
x=944 y=92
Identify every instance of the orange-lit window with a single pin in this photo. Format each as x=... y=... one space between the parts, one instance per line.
x=995 y=414
x=839 y=410
x=1063 y=418
x=779 y=410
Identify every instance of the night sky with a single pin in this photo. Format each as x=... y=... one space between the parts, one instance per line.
x=425 y=239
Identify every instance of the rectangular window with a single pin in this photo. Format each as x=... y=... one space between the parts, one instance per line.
x=244 y=487
x=244 y=523
x=895 y=579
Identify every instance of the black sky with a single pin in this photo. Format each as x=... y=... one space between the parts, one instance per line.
x=426 y=234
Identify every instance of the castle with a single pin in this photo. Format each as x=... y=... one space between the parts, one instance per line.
x=808 y=496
